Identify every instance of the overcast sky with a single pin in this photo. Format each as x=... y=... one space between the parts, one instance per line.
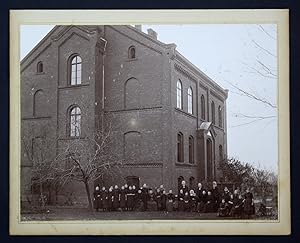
x=232 y=54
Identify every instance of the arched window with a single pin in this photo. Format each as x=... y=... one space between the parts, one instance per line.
x=180 y=148
x=221 y=153
x=191 y=149
x=179 y=94
x=132 y=94
x=76 y=63
x=202 y=107
x=131 y=52
x=213 y=118
x=75 y=121
x=40 y=67
x=190 y=100
x=220 y=116
x=132 y=146
x=39 y=103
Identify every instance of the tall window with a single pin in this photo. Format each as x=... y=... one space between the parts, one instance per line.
x=131 y=52
x=213 y=118
x=220 y=117
x=190 y=100
x=191 y=149
x=180 y=155
x=39 y=104
x=76 y=70
x=202 y=107
x=40 y=67
x=179 y=94
x=75 y=122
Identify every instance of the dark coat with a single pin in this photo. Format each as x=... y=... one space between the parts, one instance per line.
x=116 y=201
x=185 y=189
x=97 y=200
x=169 y=203
x=122 y=198
x=104 y=197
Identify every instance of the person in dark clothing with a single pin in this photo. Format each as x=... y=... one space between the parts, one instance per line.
x=152 y=205
x=104 y=198
x=110 y=199
x=123 y=198
x=226 y=194
x=175 y=203
x=180 y=201
x=158 y=198
x=130 y=198
x=139 y=205
x=145 y=196
x=193 y=201
x=223 y=210
x=163 y=200
x=184 y=187
x=97 y=201
x=135 y=192
x=116 y=201
x=170 y=201
x=216 y=196
x=202 y=199
x=237 y=209
x=186 y=201
x=208 y=208
x=248 y=204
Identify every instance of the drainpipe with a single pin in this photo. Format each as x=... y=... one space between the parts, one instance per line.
x=103 y=72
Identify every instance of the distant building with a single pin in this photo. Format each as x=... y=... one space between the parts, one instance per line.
x=168 y=117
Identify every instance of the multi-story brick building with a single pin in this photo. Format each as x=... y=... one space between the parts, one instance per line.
x=168 y=118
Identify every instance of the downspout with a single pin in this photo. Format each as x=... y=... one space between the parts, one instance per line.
x=103 y=73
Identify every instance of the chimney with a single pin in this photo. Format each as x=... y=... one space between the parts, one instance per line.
x=152 y=33
x=139 y=27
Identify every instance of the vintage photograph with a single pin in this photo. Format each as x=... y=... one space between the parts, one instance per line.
x=149 y=123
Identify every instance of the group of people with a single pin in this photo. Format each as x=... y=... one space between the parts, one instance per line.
x=201 y=200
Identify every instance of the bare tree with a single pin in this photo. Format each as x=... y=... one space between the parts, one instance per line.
x=261 y=67
x=83 y=159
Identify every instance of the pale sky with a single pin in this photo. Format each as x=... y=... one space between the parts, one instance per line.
x=236 y=54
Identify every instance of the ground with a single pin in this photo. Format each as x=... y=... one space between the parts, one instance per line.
x=84 y=214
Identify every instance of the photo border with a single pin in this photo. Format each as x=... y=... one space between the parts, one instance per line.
x=282 y=226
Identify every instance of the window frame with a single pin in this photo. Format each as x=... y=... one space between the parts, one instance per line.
x=213 y=113
x=202 y=107
x=77 y=117
x=40 y=67
x=180 y=147
x=191 y=150
x=190 y=101
x=130 y=54
x=77 y=79
x=179 y=95
x=220 y=111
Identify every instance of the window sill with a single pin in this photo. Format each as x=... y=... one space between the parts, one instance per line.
x=185 y=113
x=74 y=86
x=182 y=164
x=131 y=59
x=41 y=73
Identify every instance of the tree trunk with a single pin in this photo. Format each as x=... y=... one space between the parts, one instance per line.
x=86 y=183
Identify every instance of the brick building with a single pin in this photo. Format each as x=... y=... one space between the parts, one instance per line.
x=168 y=118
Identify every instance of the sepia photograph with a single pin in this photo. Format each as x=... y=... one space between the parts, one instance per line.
x=151 y=122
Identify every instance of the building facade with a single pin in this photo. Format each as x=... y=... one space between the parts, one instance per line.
x=168 y=119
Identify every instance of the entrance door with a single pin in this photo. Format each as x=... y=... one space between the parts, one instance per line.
x=133 y=180
x=209 y=159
